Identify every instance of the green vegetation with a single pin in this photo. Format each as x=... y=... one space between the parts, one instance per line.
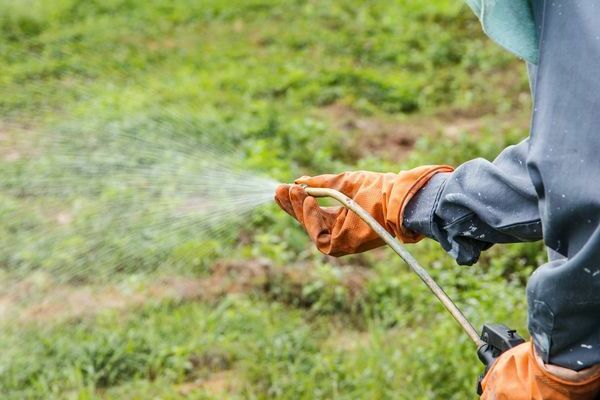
x=298 y=87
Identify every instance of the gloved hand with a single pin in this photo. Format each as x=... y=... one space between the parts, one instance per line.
x=519 y=374
x=337 y=231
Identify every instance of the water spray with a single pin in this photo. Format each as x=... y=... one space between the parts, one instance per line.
x=494 y=339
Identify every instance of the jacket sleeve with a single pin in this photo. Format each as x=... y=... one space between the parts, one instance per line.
x=563 y=166
x=477 y=205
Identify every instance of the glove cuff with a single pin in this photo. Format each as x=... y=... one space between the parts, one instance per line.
x=520 y=374
x=566 y=376
x=405 y=186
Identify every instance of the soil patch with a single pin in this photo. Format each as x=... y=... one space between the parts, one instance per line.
x=37 y=299
x=216 y=384
x=345 y=340
x=394 y=138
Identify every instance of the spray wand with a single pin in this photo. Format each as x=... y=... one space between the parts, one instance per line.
x=494 y=340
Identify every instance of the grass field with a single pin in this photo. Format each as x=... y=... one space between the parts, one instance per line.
x=296 y=87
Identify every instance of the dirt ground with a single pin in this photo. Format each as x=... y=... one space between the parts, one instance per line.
x=38 y=299
x=394 y=139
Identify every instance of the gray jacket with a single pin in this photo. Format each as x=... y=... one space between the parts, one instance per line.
x=546 y=187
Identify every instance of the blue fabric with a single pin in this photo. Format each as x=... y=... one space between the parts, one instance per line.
x=509 y=23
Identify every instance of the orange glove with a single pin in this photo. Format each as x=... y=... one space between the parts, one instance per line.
x=519 y=374
x=337 y=231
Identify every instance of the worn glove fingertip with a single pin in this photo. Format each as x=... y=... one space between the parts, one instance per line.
x=282 y=198
x=282 y=190
x=303 y=180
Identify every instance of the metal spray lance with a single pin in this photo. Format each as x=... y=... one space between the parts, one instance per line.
x=494 y=338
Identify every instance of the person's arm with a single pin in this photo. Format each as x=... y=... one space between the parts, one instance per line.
x=336 y=231
x=563 y=164
x=477 y=205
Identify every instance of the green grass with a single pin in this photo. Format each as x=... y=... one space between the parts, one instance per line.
x=395 y=342
x=264 y=76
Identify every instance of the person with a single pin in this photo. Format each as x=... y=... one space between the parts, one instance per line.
x=545 y=187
